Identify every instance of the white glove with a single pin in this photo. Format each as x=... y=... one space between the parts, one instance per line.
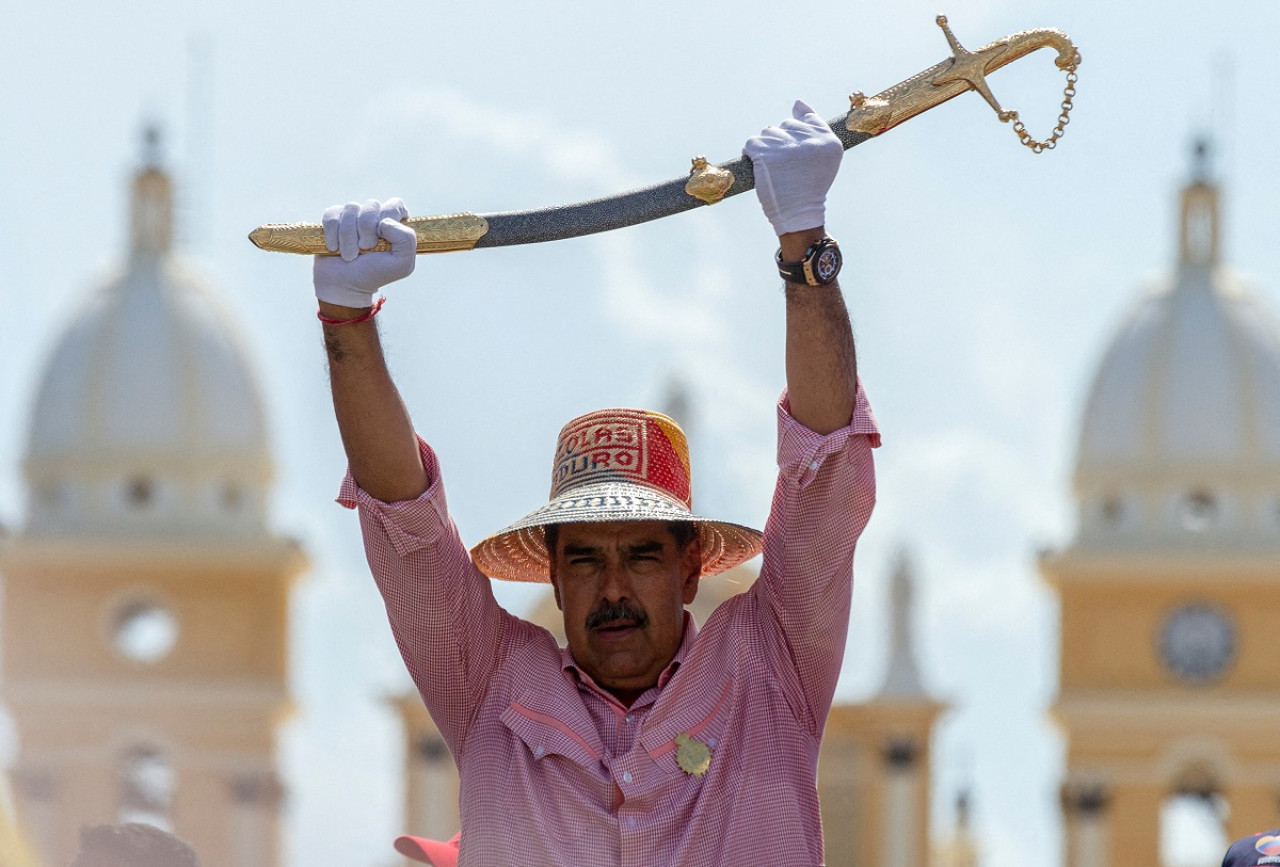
x=795 y=163
x=350 y=279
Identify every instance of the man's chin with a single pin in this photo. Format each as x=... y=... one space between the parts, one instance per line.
x=620 y=664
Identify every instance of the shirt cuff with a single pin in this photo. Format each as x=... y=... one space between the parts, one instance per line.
x=409 y=524
x=801 y=451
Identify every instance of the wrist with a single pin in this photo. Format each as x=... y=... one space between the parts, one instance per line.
x=818 y=265
x=794 y=245
x=339 y=311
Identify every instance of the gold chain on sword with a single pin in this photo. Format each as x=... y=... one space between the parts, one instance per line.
x=1051 y=142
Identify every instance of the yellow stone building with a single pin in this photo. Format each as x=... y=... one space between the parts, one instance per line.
x=1170 y=589
x=145 y=626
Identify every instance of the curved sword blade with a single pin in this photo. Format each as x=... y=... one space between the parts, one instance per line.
x=866 y=119
x=613 y=212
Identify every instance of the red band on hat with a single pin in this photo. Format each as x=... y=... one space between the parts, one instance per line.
x=624 y=445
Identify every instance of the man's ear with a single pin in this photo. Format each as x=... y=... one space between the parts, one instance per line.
x=555 y=584
x=691 y=564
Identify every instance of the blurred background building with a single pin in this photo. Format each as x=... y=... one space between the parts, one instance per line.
x=1169 y=687
x=146 y=629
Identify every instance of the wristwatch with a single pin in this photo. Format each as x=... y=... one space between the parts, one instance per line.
x=820 y=265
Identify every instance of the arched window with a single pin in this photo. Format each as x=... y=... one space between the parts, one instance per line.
x=1193 y=829
x=147 y=783
x=139 y=492
x=1198 y=510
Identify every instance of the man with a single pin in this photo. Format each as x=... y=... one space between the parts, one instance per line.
x=1255 y=850
x=645 y=741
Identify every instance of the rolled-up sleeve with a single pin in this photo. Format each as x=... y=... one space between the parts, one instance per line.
x=450 y=630
x=823 y=500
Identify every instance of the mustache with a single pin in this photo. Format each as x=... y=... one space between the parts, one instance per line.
x=608 y=612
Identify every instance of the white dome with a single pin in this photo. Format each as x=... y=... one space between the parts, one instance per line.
x=1181 y=435
x=148 y=419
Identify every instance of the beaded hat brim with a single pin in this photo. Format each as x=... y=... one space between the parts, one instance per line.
x=519 y=553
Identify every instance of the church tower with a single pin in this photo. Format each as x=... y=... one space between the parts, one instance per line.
x=875 y=767
x=146 y=600
x=1170 y=588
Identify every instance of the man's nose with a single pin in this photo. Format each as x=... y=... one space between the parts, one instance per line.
x=615 y=583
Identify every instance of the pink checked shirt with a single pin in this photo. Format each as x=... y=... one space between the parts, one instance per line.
x=554 y=771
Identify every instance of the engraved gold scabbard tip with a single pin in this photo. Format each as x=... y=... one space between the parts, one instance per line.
x=870 y=115
x=442 y=234
x=708 y=183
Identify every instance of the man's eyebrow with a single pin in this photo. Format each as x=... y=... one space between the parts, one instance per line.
x=645 y=548
x=571 y=550
x=578 y=550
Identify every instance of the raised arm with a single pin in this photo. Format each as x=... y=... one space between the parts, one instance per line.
x=795 y=164
x=382 y=449
x=450 y=630
x=826 y=482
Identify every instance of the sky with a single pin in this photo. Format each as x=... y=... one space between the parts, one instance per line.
x=984 y=283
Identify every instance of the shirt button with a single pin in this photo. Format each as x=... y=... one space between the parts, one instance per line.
x=626 y=776
x=813 y=465
x=539 y=751
x=632 y=821
x=630 y=718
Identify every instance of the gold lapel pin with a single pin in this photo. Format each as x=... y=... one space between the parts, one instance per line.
x=692 y=755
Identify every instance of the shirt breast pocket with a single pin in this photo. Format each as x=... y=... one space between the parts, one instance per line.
x=685 y=744
x=544 y=733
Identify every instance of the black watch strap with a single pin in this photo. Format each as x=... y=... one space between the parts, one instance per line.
x=819 y=267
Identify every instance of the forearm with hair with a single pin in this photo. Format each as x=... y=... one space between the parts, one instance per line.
x=376 y=430
x=822 y=374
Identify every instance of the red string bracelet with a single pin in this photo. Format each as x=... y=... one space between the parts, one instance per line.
x=373 y=311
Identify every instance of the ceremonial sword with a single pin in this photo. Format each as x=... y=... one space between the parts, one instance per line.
x=707 y=184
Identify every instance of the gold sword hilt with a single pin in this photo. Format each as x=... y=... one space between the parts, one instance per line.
x=966 y=70
x=440 y=234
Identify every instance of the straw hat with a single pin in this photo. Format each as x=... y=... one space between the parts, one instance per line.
x=614 y=465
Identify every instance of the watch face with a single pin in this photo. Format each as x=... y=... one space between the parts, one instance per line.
x=1197 y=643
x=827 y=265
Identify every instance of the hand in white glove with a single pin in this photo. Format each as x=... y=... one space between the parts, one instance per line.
x=795 y=163
x=350 y=279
